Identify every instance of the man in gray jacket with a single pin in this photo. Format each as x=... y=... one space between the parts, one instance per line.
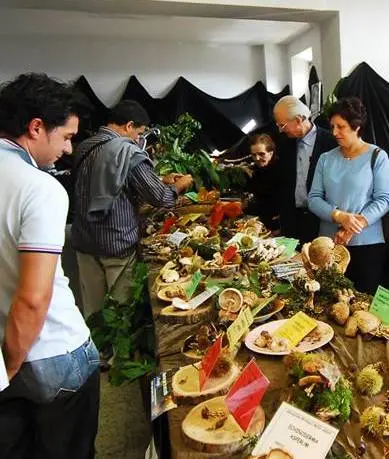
x=114 y=175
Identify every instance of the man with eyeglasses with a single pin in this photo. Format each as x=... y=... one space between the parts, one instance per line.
x=299 y=150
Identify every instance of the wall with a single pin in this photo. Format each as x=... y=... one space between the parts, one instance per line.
x=363 y=28
x=331 y=54
x=309 y=39
x=276 y=64
x=364 y=34
x=220 y=70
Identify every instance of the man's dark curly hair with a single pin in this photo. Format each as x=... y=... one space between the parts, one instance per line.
x=352 y=110
x=35 y=95
x=128 y=110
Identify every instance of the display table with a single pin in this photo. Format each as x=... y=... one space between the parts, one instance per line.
x=349 y=352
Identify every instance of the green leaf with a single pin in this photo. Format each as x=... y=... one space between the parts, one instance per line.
x=109 y=316
x=282 y=288
x=123 y=347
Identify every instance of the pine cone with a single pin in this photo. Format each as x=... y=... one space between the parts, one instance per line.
x=386 y=402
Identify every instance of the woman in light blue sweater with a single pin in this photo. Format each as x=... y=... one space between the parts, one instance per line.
x=350 y=194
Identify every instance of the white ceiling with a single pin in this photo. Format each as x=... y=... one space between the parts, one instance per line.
x=147 y=27
x=195 y=8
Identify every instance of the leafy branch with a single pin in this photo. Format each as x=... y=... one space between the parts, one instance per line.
x=126 y=329
x=175 y=156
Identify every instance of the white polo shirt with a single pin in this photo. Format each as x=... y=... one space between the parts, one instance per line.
x=33 y=210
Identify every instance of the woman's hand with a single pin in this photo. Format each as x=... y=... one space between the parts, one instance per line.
x=343 y=237
x=352 y=223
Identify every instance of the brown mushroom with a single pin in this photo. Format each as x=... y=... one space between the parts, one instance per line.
x=313 y=379
x=340 y=312
x=351 y=328
x=320 y=251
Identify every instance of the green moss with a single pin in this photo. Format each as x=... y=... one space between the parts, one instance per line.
x=340 y=399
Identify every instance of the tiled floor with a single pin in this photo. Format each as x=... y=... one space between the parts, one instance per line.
x=124 y=431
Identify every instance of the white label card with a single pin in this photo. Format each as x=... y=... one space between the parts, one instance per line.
x=4 y=383
x=176 y=238
x=204 y=296
x=297 y=433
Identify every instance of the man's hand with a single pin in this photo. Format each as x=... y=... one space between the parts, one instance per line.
x=11 y=373
x=183 y=183
x=171 y=179
x=29 y=307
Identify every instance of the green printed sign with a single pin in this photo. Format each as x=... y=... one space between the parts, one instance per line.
x=194 y=283
x=290 y=245
x=192 y=196
x=380 y=304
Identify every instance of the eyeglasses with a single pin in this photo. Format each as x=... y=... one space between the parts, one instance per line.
x=283 y=126
x=260 y=154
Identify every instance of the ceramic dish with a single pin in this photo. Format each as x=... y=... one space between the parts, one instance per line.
x=320 y=336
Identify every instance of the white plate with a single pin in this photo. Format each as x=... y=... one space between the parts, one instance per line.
x=304 y=346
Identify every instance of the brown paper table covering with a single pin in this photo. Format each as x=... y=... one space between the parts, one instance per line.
x=348 y=353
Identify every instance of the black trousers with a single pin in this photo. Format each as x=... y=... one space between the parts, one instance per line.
x=366 y=266
x=62 y=429
x=306 y=225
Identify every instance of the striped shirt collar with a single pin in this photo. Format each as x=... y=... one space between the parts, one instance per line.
x=108 y=131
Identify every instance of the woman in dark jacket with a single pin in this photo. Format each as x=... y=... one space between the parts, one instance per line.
x=264 y=181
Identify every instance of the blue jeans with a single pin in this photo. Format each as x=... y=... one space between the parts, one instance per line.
x=44 y=380
x=45 y=401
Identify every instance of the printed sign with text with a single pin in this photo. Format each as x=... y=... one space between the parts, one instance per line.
x=296 y=328
x=239 y=327
x=296 y=433
x=380 y=304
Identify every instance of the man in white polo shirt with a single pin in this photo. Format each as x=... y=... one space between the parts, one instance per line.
x=50 y=409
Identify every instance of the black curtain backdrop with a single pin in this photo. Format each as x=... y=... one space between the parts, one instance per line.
x=221 y=119
x=373 y=90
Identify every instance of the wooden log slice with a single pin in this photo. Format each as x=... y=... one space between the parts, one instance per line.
x=200 y=434
x=186 y=384
x=172 y=315
x=160 y=283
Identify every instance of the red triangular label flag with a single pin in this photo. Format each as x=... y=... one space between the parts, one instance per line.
x=209 y=361
x=246 y=394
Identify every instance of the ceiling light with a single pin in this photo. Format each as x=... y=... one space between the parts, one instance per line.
x=249 y=126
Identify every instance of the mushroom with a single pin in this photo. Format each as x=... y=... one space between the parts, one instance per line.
x=231 y=300
x=279 y=344
x=199 y=232
x=311 y=286
x=323 y=253
x=312 y=379
x=250 y=299
x=276 y=453
x=320 y=251
x=351 y=328
x=170 y=275
x=165 y=251
x=340 y=312
x=341 y=258
x=186 y=261
x=367 y=322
